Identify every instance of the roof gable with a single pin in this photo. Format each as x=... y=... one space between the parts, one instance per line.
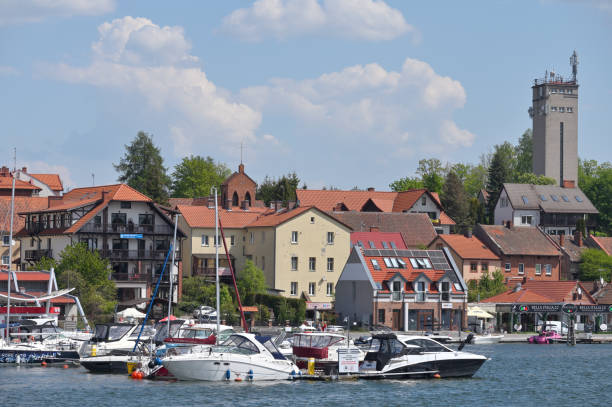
x=522 y=240
x=549 y=198
x=468 y=247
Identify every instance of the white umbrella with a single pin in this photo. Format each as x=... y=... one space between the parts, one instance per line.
x=131 y=313
x=479 y=313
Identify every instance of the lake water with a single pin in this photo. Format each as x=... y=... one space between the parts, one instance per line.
x=515 y=375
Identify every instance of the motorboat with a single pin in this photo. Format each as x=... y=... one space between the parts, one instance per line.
x=323 y=347
x=546 y=337
x=242 y=356
x=486 y=339
x=411 y=357
x=110 y=347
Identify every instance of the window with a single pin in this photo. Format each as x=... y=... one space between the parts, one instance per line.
x=548 y=269
x=6 y=241
x=420 y=290
x=294 y=263
x=525 y=200
x=420 y=263
x=232 y=240
x=387 y=262
x=311 y=288
x=381 y=316
x=118 y=218
x=445 y=290
x=393 y=246
x=385 y=245
x=507 y=267
x=372 y=245
x=162 y=244
x=579 y=199
x=424 y=201
x=565 y=198
x=120 y=244
x=330 y=264
x=330 y=289
x=562 y=109
x=126 y=205
x=521 y=268
x=312 y=219
x=402 y=263
x=553 y=108
x=484 y=266
x=360 y=243
x=526 y=219
x=330 y=237
x=394 y=262
x=312 y=264
x=204 y=240
x=397 y=286
x=5 y=260
x=473 y=267
x=145 y=219
x=554 y=198
x=294 y=237
x=543 y=197
x=263 y=262
x=375 y=264
x=252 y=238
x=538 y=269
x=294 y=288
x=570 y=109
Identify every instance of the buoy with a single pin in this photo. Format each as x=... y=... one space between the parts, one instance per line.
x=238 y=379
x=228 y=374
x=311 y=366
x=65 y=366
x=135 y=374
x=437 y=376
x=43 y=363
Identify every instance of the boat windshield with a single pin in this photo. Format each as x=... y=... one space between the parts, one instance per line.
x=196 y=333
x=101 y=331
x=387 y=346
x=237 y=344
x=146 y=332
x=266 y=341
x=116 y=332
x=225 y=334
x=428 y=345
x=317 y=341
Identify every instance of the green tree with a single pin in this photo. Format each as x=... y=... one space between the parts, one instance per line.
x=595 y=263
x=531 y=178
x=488 y=286
x=250 y=282
x=196 y=291
x=432 y=174
x=195 y=175
x=595 y=180
x=282 y=189
x=500 y=171
x=142 y=168
x=406 y=183
x=454 y=200
x=524 y=154
x=84 y=270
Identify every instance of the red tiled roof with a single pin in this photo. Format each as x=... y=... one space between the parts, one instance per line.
x=22 y=204
x=468 y=247
x=7 y=183
x=377 y=238
x=605 y=243
x=326 y=200
x=536 y=291
x=445 y=219
x=520 y=240
x=26 y=276
x=53 y=181
x=203 y=217
x=277 y=218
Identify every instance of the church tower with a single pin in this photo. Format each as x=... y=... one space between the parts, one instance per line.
x=555 y=126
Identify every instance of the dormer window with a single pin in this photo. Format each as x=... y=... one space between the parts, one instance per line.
x=420 y=291
x=445 y=290
x=422 y=263
x=396 y=290
x=423 y=201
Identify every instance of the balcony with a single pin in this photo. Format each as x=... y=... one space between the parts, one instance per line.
x=143 y=278
x=396 y=296
x=136 y=255
x=36 y=255
x=129 y=228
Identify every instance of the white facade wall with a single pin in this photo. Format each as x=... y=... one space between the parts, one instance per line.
x=517 y=219
x=503 y=214
x=430 y=206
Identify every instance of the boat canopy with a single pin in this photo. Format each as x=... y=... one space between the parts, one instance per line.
x=267 y=343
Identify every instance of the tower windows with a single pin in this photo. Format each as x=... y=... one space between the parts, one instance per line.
x=561 y=153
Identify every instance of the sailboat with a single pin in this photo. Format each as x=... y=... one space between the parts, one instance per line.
x=243 y=356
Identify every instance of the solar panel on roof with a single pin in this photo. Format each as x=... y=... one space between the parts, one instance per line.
x=579 y=199
x=393 y=245
x=372 y=245
x=543 y=198
x=385 y=245
x=554 y=198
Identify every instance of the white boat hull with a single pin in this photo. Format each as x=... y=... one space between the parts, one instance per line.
x=238 y=367
x=486 y=339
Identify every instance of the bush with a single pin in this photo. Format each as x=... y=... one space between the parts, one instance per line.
x=285 y=309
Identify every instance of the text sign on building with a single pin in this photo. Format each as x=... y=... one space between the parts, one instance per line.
x=348 y=360
x=447 y=305
x=321 y=306
x=566 y=308
x=599 y=308
x=131 y=235
x=536 y=307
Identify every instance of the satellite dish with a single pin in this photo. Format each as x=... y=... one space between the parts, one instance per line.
x=603 y=327
x=517 y=327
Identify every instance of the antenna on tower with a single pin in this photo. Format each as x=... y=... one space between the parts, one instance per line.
x=93 y=179
x=574 y=64
x=241 y=152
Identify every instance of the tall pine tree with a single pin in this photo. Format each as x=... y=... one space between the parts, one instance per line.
x=500 y=171
x=142 y=168
x=454 y=200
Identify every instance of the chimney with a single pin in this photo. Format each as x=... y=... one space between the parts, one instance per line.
x=53 y=201
x=517 y=288
x=468 y=233
x=25 y=170
x=371 y=189
x=374 y=229
x=291 y=205
x=509 y=224
x=338 y=207
x=228 y=204
x=241 y=168
x=561 y=240
x=578 y=238
x=211 y=202
x=4 y=171
x=569 y=183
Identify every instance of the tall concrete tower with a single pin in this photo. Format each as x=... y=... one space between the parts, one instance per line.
x=555 y=126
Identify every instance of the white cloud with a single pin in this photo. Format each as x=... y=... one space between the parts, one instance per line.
x=140 y=58
x=6 y=70
x=41 y=167
x=371 y=20
x=367 y=102
x=28 y=11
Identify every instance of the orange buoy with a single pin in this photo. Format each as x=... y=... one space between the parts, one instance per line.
x=140 y=375
x=437 y=376
x=65 y=366
x=135 y=374
x=238 y=379
x=43 y=363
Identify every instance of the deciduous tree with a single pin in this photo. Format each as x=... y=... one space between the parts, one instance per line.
x=195 y=175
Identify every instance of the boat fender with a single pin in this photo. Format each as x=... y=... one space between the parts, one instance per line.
x=151 y=364
x=43 y=363
x=250 y=375
x=65 y=366
x=227 y=374
x=158 y=361
x=437 y=376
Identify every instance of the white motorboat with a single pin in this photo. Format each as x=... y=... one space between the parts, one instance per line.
x=323 y=347
x=242 y=357
x=410 y=357
x=486 y=339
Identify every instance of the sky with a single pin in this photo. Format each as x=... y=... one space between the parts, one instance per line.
x=343 y=92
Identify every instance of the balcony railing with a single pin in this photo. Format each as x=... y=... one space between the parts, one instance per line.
x=117 y=255
x=143 y=277
x=396 y=296
x=35 y=255
x=129 y=228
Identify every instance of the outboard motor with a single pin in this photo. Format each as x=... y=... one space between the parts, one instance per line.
x=467 y=340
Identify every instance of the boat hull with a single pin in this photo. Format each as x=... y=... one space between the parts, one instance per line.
x=19 y=356
x=217 y=370
x=448 y=368
x=105 y=364
x=487 y=339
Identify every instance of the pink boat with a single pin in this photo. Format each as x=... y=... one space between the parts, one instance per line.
x=545 y=338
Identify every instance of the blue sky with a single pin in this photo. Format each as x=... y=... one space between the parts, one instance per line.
x=343 y=92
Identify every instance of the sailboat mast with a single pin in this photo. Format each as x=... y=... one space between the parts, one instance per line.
x=8 y=298
x=170 y=273
x=216 y=241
